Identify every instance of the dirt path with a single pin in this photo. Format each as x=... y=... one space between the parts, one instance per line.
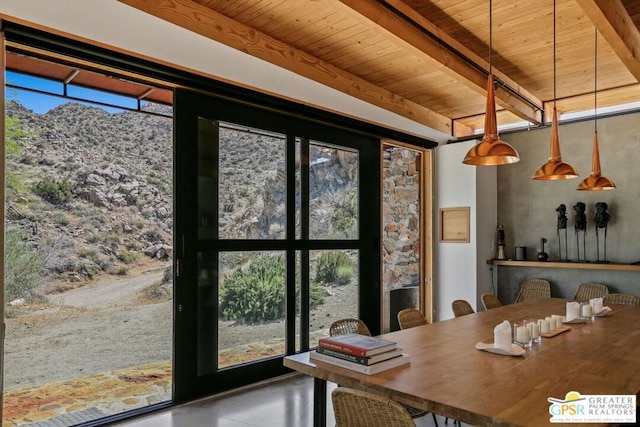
x=111 y=292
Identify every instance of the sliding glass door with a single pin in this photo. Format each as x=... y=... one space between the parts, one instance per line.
x=273 y=229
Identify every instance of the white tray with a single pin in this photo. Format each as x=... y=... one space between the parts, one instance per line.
x=516 y=350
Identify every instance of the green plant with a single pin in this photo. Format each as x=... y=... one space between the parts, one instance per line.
x=257 y=293
x=54 y=191
x=14 y=134
x=344 y=215
x=127 y=257
x=23 y=266
x=334 y=267
x=15 y=184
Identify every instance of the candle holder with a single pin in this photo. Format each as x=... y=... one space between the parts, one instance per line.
x=534 y=330
x=522 y=334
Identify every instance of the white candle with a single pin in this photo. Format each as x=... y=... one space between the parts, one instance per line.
x=551 y=322
x=558 y=319
x=587 y=311
x=522 y=335
x=534 y=328
x=544 y=326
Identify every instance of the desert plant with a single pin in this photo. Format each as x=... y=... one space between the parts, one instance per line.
x=127 y=257
x=23 y=266
x=54 y=191
x=334 y=267
x=257 y=293
x=344 y=214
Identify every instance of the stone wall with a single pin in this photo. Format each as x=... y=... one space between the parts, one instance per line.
x=401 y=221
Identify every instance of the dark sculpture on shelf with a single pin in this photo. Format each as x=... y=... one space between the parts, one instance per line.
x=562 y=225
x=542 y=255
x=580 y=227
x=601 y=220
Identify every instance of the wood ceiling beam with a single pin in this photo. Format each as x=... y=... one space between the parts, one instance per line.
x=616 y=26
x=215 y=26
x=454 y=58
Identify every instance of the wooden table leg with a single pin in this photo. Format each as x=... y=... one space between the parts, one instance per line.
x=319 y=402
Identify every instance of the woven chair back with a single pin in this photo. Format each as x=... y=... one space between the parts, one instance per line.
x=355 y=408
x=461 y=307
x=534 y=288
x=586 y=291
x=622 y=299
x=410 y=318
x=490 y=301
x=349 y=326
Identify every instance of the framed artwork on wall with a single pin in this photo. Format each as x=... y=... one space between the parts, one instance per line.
x=454 y=225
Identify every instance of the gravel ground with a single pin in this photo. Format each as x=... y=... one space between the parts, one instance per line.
x=103 y=326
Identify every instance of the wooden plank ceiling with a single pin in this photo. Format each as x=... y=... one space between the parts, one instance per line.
x=428 y=60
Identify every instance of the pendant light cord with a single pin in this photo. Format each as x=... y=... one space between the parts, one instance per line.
x=554 y=54
x=595 y=80
x=490 y=36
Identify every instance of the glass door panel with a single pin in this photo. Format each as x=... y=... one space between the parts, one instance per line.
x=252 y=306
x=333 y=192
x=335 y=279
x=270 y=240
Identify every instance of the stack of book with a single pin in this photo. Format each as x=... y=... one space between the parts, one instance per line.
x=361 y=353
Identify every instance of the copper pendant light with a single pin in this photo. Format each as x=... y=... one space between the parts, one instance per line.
x=595 y=181
x=491 y=151
x=555 y=168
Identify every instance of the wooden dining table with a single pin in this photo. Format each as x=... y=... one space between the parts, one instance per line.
x=449 y=376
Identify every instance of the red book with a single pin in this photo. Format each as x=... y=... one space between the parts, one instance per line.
x=356 y=344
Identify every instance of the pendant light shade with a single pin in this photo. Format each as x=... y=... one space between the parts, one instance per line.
x=555 y=168
x=595 y=181
x=491 y=150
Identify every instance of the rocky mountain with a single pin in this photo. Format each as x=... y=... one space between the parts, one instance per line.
x=93 y=190
x=90 y=189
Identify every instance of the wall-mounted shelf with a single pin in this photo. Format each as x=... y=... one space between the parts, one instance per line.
x=575 y=265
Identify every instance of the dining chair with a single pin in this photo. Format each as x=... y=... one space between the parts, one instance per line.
x=410 y=318
x=461 y=307
x=586 y=291
x=490 y=301
x=357 y=326
x=622 y=299
x=347 y=326
x=355 y=408
x=534 y=288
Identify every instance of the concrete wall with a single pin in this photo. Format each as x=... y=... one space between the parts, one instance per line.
x=527 y=208
x=460 y=268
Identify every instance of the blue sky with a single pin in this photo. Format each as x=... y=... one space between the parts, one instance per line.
x=41 y=103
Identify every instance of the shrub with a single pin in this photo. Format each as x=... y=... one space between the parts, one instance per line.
x=127 y=257
x=257 y=293
x=15 y=184
x=334 y=267
x=54 y=191
x=23 y=266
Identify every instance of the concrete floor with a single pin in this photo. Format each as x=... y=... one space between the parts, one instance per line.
x=282 y=403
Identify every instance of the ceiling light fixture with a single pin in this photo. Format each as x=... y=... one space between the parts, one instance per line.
x=491 y=151
x=595 y=181
x=555 y=168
